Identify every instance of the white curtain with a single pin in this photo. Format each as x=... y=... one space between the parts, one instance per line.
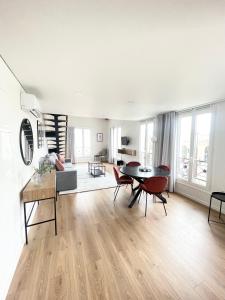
x=70 y=153
x=168 y=146
x=158 y=129
x=165 y=144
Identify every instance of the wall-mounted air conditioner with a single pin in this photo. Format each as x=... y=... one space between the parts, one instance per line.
x=30 y=103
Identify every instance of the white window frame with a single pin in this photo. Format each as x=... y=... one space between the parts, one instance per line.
x=193 y=113
x=117 y=145
x=145 y=153
x=83 y=156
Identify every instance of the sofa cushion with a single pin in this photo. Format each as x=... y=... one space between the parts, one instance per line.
x=59 y=166
x=61 y=158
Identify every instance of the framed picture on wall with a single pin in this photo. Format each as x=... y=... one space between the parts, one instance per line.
x=99 y=137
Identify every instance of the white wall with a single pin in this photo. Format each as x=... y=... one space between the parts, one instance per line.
x=131 y=130
x=217 y=182
x=13 y=176
x=96 y=125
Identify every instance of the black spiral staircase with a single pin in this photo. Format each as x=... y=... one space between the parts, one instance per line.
x=56 y=132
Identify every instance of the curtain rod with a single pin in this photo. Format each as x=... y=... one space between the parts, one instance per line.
x=186 y=109
x=200 y=106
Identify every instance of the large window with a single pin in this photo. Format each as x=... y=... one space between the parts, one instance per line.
x=115 y=142
x=146 y=143
x=184 y=144
x=193 y=147
x=82 y=142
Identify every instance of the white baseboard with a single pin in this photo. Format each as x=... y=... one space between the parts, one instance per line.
x=215 y=203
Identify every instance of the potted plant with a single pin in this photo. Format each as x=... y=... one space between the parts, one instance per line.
x=39 y=172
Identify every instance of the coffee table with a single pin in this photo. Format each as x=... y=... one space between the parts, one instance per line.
x=96 y=168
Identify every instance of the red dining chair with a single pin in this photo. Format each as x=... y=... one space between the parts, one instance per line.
x=133 y=164
x=155 y=186
x=121 y=180
x=165 y=168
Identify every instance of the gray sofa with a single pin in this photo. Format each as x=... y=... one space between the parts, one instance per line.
x=67 y=179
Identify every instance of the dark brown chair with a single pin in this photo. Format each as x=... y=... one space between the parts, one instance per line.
x=155 y=186
x=133 y=164
x=121 y=180
x=165 y=168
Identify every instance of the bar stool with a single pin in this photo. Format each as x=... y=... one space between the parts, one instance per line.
x=220 y=196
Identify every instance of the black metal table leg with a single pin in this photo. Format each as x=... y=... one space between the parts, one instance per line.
x=55 y=216
x=25 y=221
x=209 y=208
x=220 y=209
x=134 y=198
x=135 y=189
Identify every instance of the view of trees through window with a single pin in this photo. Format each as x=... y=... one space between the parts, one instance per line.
x=115 y=142
x=201 y=148
x=193 y=147
x=146 y=144
x=82 y=143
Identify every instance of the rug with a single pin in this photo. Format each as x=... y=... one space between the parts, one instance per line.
x=86 y=182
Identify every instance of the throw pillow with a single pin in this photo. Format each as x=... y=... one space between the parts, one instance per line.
x=59 y=165
x=61 y=158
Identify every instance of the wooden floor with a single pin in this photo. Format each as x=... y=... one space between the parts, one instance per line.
x=104 y=251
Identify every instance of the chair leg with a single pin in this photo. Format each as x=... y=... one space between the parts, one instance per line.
x=209 y=208
x=165 y=209
x=146 y=201
x=220 y=209
x=139 y=196
x=116 y=193
x=115 y=189
x=168 y=193
x=154 y=199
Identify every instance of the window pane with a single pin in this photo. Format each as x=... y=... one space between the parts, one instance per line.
x=149 y=144
x=116 y=141
x=201 y=147
x=119 y=138
x=87 y=142
x=78 y=146
x=184 y=140
x=142 y=143
x=82 y=143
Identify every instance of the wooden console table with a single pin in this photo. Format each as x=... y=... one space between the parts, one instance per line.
x=32 y=192
x=127 y=151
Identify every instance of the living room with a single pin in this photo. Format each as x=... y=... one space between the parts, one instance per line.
x=112 y=135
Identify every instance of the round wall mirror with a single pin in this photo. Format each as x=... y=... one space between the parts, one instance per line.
x=26 y=142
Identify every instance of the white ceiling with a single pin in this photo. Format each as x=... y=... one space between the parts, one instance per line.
x=115 y=58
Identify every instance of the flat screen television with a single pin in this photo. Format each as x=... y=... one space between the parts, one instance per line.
x=124 y=140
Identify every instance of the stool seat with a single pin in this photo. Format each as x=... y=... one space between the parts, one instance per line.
x=219 y=195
